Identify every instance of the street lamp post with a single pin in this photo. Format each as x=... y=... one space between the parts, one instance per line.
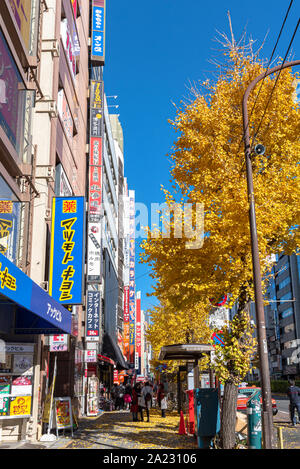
x=267 y=414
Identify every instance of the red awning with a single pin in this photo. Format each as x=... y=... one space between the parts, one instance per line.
x=103 y=358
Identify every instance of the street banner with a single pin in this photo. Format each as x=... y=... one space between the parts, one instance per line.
x=126 y=320
x=132 y=276
x=98 y=31
x=138 y=333
x=94 y=258
x=67 y=250
x=92 y=315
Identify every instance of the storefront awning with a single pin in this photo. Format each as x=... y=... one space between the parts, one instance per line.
x=36 y=312
x=108 y=360
x=111 y=349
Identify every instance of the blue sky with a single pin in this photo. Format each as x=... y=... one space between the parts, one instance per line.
x=154 y=51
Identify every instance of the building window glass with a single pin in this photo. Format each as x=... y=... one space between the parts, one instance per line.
x=287 y=296
x=287 y=313
x=284 y=283
x=10 y=216
x=12 y=97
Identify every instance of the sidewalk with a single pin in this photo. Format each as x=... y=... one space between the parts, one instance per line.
x=116 y=430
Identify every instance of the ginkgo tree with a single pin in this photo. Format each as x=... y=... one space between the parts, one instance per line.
x=169 y=326
x=209 y=169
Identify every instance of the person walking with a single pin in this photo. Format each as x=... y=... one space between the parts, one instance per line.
x=293 y=393
x=127 y=396
x=147 y=393
x=134 y=403
x=121 y=396
x=162 y=399
x=115 y=394
x=141 y=402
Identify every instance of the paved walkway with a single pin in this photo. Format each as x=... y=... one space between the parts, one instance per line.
x=116 y=430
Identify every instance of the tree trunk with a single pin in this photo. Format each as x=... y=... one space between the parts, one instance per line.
x=228 y=416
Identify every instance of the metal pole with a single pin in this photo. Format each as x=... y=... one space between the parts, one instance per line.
x=259 y=306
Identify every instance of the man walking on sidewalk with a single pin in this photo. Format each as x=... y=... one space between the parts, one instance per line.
x=293 y=393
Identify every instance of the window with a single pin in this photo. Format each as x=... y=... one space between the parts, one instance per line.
x=10 y=218
x=287 y=313
x=284 y=283
x=287 y=296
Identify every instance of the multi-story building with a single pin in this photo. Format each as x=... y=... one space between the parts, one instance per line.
x=283 y=316
x=62 y=252
x=43 y=126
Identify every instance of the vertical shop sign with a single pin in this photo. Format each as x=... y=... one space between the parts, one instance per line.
x=126 y=322
x=92 y=315
x=94 y=254
x=98 y=31
x=69 y=45
x=138 y=332
x=67 y=250
x=132 y=276
x=95 y=179
x=65 y=114
x=96 y=109
x=74 y=7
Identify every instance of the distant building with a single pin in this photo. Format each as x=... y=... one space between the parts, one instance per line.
x=283 y=316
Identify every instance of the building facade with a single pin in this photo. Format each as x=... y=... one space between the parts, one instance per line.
x=283 y=317
x=44 y=87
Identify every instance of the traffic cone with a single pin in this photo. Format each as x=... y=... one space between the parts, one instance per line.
x=182 y=430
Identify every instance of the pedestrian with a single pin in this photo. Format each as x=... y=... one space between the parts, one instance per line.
x=141 y=401
x=293 y=393
x=127 y=396
x=121 y=396
x=162 y=399
x=135 y=402
x=159 y=394
x=115 y=394
x=147 y=393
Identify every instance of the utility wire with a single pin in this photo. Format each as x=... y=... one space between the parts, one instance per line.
x=270 y=60
x=277 y=78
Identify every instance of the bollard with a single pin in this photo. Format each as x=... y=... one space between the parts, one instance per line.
x=280 y=439
x=254 y=420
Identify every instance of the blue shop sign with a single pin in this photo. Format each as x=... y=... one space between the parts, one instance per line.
x=36 y=311
x=67 y=250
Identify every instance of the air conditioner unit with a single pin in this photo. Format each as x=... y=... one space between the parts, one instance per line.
x=51 y=45
x=55 y=48
x=50 y=173
x=47 y=106
x=53 y=109
x=45 y=172
x=48 y=214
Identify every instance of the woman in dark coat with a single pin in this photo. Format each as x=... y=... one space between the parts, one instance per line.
x=134 y=403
